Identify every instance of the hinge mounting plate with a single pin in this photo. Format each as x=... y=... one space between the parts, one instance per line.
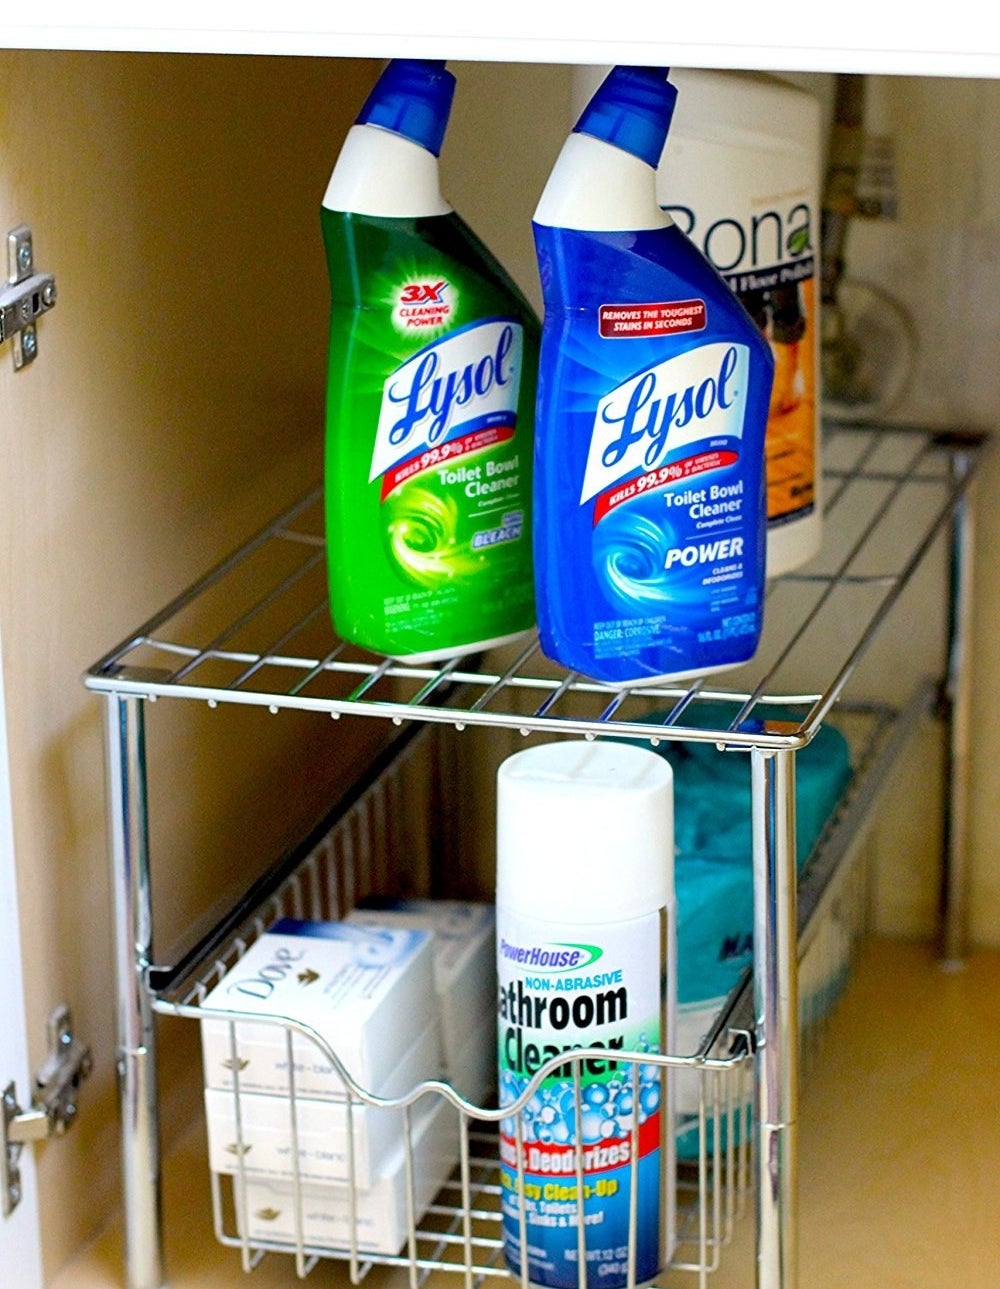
x=53 y=1105
x=24 y=297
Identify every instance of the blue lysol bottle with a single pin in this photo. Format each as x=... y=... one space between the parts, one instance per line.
x=650 y=514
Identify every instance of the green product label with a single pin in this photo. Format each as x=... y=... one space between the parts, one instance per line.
x=429 y=418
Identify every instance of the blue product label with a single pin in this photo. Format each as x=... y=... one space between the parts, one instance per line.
x=596 y=1126
x=650 y=515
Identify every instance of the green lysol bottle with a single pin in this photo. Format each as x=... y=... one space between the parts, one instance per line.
x=430 y=395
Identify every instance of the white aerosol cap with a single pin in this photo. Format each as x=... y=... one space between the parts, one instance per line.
x=585 y=832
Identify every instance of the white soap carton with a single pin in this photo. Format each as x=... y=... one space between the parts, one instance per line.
x=266 y=1210
x=465 y=977
x=368 y=991
x=474 y=1071
x=259 y=1129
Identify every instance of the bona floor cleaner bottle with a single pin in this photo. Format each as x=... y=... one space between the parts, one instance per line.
x=650 y=517
x=430 y=395
x=741 y=176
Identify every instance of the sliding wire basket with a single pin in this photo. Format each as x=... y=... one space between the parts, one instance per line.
x=443 y=1210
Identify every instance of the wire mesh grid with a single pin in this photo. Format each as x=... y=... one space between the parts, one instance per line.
x=442 y=1210
x=256 y=629
x=436 y=1221
x=459 y=1226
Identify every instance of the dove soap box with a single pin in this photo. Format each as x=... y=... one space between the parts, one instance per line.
x=464 y=958
x=368 y=991
x=268 y=1211
x=260 y=1129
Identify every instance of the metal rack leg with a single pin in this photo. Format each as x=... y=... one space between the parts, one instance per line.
x=777 y=1017
x=957 y=711
x=136 y=1052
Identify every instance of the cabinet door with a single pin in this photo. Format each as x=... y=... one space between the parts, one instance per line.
x=24 y=884
x=20 y=1254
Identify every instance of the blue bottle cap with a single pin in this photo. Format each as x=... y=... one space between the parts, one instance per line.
x=413 y=98
x=631 y=110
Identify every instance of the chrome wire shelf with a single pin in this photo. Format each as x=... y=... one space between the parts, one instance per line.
x=459 y=1231
x=256 y=629
x=351 y=855
x=454 y=1224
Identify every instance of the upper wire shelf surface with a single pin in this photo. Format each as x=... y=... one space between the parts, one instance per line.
x=256 y=628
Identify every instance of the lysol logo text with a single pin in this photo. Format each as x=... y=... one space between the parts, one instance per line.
x=468 y=380
x=695 y=396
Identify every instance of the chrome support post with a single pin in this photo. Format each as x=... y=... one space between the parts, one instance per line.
x=136 y=1038
x=957 y=708
x=776 y=1015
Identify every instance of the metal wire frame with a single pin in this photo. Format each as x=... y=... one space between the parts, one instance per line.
x=469 y=1196
x=936 y=466
x=166 y=657
x=459 y=1231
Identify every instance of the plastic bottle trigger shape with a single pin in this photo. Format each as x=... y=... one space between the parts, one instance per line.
x=652 y=406
x=430 y=395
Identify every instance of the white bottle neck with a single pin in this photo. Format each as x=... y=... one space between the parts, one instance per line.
x=381 y=173
x=597 y=187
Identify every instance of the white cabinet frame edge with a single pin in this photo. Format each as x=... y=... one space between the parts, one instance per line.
x=20 y=1240
x=859 y=36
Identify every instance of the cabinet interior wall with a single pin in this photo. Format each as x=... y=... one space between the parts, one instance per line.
x=176 y=403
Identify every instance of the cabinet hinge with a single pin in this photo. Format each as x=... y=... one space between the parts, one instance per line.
x=24 y=298
x=53 y=1105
